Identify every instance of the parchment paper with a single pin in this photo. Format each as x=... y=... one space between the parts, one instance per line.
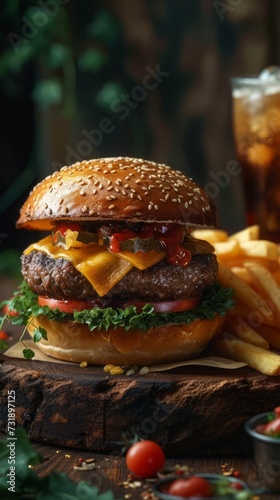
x=213 y=361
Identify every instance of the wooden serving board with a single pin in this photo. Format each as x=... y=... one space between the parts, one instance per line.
x=190 y=411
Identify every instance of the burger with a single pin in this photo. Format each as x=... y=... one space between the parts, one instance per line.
x=119 y=278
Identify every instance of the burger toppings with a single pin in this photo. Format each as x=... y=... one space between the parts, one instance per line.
x=106 y=254
x=171 y=239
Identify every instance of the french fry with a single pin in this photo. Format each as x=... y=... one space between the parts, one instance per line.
x=244 y=293
x=210 y=235
x=242 y=273
x=251 y=267
x=227 y=249
x=240 y=309
x=271 y=334
x=261 y=248
x=267 y=285
x=241 y=261
x=266 y=362
x=247 y=234
x=238 y=326
x=276 y=276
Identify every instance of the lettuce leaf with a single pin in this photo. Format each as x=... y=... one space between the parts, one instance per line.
x=217 y=300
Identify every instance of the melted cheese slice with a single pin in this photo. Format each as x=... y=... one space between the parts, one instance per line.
x=101 y=268
x=142 y=260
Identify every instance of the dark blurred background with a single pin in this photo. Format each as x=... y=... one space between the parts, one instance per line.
x=145 y=78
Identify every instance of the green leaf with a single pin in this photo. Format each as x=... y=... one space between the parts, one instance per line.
x=57 y=55
x=40 y=333
x=55 y=486
x=3 y=345
x=109 y=93
x=24 y=453
x=28 y=353
x=48 y=92
x=104 y=27
x=92 y=60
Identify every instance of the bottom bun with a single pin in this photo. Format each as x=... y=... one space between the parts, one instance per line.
x=74 y=342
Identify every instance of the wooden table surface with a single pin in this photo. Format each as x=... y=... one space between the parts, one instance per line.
x=112 y=474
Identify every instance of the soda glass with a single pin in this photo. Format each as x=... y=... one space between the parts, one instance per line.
x=256 y=124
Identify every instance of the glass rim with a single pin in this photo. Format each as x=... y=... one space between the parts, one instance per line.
x=252 y=81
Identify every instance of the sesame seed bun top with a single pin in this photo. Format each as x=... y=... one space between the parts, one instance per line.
x=117 y=189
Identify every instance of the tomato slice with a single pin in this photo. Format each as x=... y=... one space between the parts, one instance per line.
x=68 y=306
x=161 y=307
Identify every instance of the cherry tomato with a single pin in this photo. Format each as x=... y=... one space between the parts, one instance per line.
x=277 y=411
x=145 y=458
x=68 y=306
x=3 y=335
x=272 y=427
x=11 y=312
x=166 y=306
x=237 y=486
x=192 y=487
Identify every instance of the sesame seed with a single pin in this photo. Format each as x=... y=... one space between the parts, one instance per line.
x=82 y=192
x=124 y=192
x=110 y=188
x=94 y=191
x=186 y=204
x=84 y=208
x=111 y=207
x=116 y=189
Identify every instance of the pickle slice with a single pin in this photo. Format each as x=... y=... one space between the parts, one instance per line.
x=141 y=245
x=196 y=246
x=74 y=239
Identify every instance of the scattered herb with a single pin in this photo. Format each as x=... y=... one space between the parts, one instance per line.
x=217 y=300
x=27 y=484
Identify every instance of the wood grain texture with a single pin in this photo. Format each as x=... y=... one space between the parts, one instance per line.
x=111 y=470
x=192 y=411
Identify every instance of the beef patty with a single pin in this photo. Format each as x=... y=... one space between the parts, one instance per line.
x=57 y=278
